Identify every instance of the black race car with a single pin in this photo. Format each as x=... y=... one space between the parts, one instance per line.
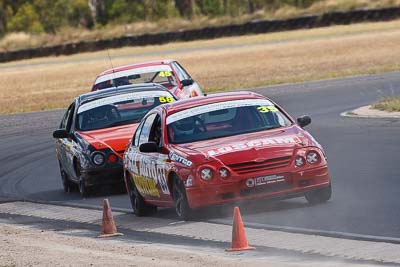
x=95 y=130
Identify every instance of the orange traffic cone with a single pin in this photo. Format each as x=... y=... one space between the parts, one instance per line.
x=239 y=240
x=108 y=227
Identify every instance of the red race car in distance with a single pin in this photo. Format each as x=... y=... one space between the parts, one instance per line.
x=168 y=73
x=222 y=148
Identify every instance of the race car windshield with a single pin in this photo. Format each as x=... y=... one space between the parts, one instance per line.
x=162 y=75
x=224 y=119
x=118 y=109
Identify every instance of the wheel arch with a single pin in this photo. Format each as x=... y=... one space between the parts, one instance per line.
x=171 y=176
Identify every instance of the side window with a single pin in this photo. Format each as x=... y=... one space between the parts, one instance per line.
x=145 y=133
x=137 y=133
x=155 y=133
x=67 y=116
x=182 y=74
x=70 y=117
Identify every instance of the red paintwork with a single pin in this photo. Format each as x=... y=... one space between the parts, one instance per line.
x=115 y=138
x=135 y=66
x=218 y=190
x=141 y=65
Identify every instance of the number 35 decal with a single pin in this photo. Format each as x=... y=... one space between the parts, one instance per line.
x=167 y=99
x=266 y=109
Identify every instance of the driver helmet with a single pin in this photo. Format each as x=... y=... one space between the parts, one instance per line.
x=185 y=126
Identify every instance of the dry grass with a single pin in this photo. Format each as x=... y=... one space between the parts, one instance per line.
x=300 y=56
x=388 y=104
x=15 y=41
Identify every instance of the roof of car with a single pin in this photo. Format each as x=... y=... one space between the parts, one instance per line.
x=138 y=65
x=120 y=90
x=208 y=99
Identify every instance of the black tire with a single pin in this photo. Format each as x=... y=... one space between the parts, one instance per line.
x=182 y=209
x=68 y=186
x=139 y=206
x=319 y=196
x=83 y=189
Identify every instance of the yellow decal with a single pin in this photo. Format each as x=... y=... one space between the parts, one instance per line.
x=146 y=186
x=167 y=99
x=165 y=74
x=266 y=109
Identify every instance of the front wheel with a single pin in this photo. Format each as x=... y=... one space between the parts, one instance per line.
x=182 y=208
x=319 y=196
x=68 y=186
x=83 y=189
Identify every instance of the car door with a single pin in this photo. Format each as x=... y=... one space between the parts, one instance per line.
x=150 y=176
x=69 y=145
x=61 y=147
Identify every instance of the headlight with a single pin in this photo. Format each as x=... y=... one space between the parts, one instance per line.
x=299 y=161
x=206 y=174
x=312 y=157
x=223 y=173
x=98 y=158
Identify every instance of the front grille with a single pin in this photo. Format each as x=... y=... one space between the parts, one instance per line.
x=252 y=166
x=266 y=189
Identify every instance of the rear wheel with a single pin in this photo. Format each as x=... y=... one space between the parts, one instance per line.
x=182 y=208
x=139 y=206
x=319 y=196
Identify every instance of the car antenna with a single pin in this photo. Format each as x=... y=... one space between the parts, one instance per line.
x=112 y=67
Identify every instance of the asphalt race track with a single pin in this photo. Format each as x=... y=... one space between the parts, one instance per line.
x=363 y=156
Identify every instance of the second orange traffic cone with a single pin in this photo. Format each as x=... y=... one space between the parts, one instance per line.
x=239 y=239
x=108 y=228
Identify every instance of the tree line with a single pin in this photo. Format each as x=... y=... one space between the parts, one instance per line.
x=39 y=16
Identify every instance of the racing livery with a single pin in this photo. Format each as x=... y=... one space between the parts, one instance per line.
x=95 y=130
x=222 y=148
x=168 y=73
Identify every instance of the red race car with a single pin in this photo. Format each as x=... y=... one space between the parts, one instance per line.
x=168 y=73
x=222 y=148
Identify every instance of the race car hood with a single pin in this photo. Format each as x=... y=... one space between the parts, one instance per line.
x=258 y=146
x=115 y=138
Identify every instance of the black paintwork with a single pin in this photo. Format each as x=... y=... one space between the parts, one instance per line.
x=74 y=153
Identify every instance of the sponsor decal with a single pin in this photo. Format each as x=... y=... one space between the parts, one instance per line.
x=149 y=173
x=263 y=180
x=216 y=106
x=146 y=186
x=252 y=144
x=177 y=158
x=149 y=96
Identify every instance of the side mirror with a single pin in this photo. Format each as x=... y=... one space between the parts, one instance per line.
x=60 y=133
x=187 y=82
x=303 y=121
x=149 y=147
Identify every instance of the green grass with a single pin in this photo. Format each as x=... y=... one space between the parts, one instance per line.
x=15 y=41
x=390 y=104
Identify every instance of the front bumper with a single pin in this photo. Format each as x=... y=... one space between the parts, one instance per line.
x=103 y=176
x=296 y=184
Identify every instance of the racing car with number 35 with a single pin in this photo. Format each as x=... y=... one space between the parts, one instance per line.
x=95 y=130
x=222 y=148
